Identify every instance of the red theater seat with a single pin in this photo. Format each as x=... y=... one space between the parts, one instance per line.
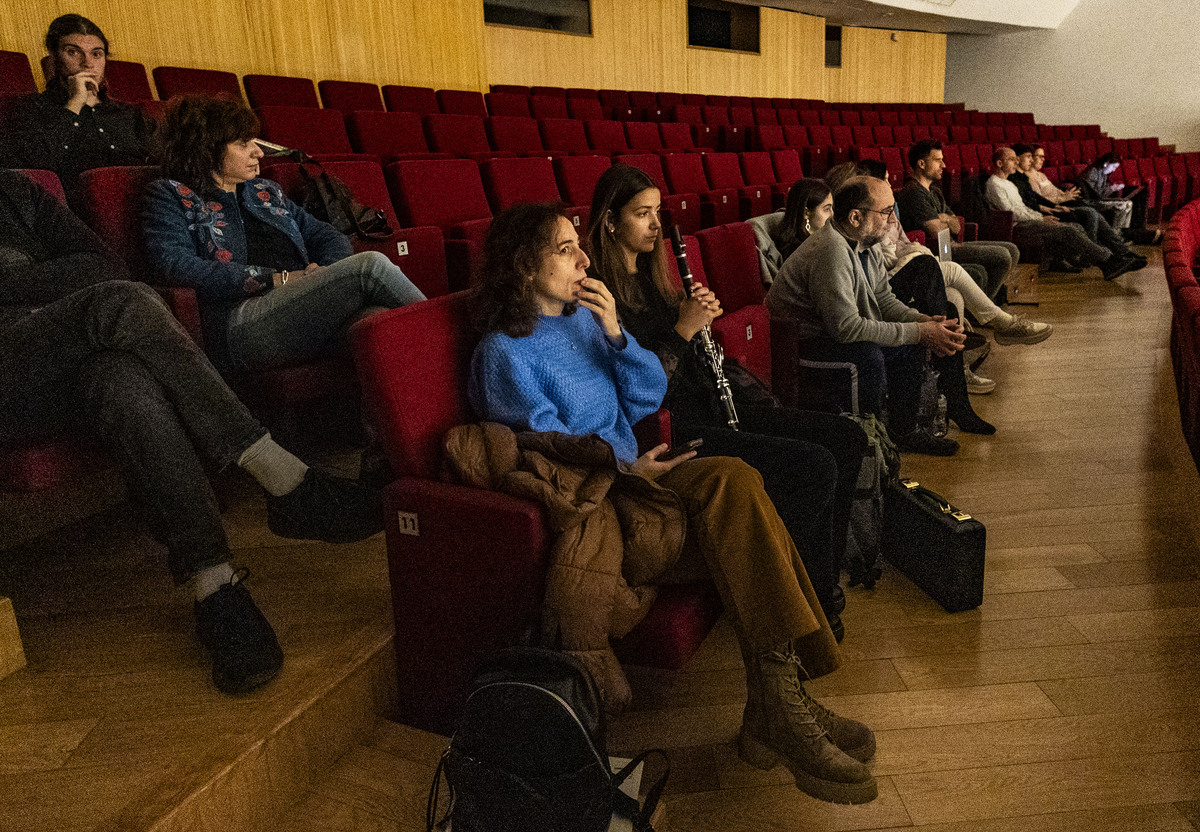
x=583 y=109
x=39 y=464
x=512 y=134
x=577 y=177
x=731 y=265
x=311 y=129
x=448 y=194
x=685 y=175
x=548 y=106
x=113 y=200
x=277 y=91
x=402 y=99
x=564 y=135
x=558 y=92
x=606 y=137
x=419 y=252
x=676 y=137
x=506 y=104
x=758 y=171
x=509 y=181
x=643 y=135
x=472 y=579
x=390 y=136
x=350 y=96
x=127 y=81
x=515 y=89
x=459 y=135
x=788 y=168
x=16 y=75
x=177 y=80
x=462 y=103
x=725 y=171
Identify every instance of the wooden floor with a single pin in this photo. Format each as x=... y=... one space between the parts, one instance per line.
x=1068 y=702
x=1071 y=699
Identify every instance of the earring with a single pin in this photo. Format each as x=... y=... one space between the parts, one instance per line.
x=807 y=226
x=611 y=228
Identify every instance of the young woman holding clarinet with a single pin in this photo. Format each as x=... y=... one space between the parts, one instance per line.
x=809 y=461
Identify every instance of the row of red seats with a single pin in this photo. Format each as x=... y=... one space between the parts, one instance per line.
x=459 y=197
x=128 y=82
x=391 y=136
x=1181 y=245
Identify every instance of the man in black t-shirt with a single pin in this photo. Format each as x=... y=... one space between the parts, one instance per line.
x=923 y=206
x=85 y=350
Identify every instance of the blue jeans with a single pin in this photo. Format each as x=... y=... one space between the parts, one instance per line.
x=304 y=318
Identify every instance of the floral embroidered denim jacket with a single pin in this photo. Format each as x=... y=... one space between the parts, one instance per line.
x=200 y=241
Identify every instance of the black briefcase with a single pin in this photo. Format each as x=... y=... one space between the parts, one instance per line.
x=938 y=547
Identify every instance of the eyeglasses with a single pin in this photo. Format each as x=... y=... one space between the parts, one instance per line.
x=890 y=213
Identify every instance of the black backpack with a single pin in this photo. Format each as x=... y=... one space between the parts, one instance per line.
x=529 y=753
x=328 y=199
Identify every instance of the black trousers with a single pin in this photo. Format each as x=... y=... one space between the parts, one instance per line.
x=809 y=462
x=111 y=359
x=921 y=285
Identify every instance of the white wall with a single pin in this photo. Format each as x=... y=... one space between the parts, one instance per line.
x=1042 y=13
x=1130 y=65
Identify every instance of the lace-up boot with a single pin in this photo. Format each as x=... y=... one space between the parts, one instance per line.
x=779 y=725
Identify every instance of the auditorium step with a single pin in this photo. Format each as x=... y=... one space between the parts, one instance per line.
x=115 y=724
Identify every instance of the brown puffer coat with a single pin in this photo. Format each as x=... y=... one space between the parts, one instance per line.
x=616 y=533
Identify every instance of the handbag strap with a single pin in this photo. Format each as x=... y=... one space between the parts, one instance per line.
x=641 y=815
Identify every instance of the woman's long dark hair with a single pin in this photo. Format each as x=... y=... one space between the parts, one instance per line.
x=60 y=27
x=517 y=241
x=615 y=188
x=194 y=134
x=804 y=195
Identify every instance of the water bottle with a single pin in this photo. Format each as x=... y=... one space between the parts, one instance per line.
x=940 y=425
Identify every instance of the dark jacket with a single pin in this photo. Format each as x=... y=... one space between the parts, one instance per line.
x=199 y=241
x=1029 y=196
x=46 y=252
x=42 y=133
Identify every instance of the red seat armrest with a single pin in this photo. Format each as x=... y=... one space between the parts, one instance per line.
x=467 y=570
x=185 y=308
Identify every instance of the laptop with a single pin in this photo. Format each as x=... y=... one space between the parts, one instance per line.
x=944 y=245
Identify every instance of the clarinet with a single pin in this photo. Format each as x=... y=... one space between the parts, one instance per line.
x=708 y=347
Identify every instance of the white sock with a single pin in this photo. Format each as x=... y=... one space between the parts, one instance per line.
x=207 y=581
x=276 y=469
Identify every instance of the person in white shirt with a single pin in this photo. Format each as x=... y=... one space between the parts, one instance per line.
x=1063 y=241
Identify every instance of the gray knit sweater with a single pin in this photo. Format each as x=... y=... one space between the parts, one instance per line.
x=823 y=287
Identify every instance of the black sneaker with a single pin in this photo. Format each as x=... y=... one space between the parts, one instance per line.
x=1114 y=267
x=244 y=649
x=328 y=508
x=920 y=441
x=1064 y=267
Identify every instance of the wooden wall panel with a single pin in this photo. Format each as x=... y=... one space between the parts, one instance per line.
x=445 y=44
x=384 y=41
x=912 y=67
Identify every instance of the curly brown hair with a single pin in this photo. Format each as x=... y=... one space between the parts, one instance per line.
x=194 y=134
x=516 y=243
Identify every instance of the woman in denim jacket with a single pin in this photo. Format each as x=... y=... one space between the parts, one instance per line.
x=276 y=285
